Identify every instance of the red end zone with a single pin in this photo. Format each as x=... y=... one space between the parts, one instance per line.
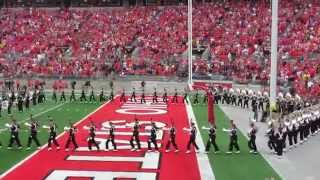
x=124 y=164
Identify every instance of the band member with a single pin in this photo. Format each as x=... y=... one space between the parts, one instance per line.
x=92 y=135
x=272 y=140
x=27 y=101
x=135 y=136
x=212 y=139
x=279 y=142
x=172 y=139
x=233 y=138
x=143 y=98
x=123 y=96
x=240 y=100
x=34 y=97
x=195 y=98
x=185 y=96
x=54 y=95
x=133 y=95
x=111 y=95
x=252 y=138
x=175 y=96
x=73 y=96
x=234 y=99
x=20 y=103
x=205 y=98
x=63 y=96
x=192 y=137
x=83 y=96
x=33 y=132
x=155 y=96
x=14 y=130
x=52 y=134
x=101 y=96
x=111 y=129
x=153 y=137
x=72 y=137
x=92 y=97
x=10 y=103
x=246 y=100
x=165 y=96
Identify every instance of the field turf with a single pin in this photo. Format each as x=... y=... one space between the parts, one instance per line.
x=62 y=113
x=244 y=166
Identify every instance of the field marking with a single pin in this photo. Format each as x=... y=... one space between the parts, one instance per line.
x=43 y=112
x=206 y=172
x=46 y=144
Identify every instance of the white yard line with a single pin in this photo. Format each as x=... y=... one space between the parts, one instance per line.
x=45 y=145
x=206 y=172
x=43 y=112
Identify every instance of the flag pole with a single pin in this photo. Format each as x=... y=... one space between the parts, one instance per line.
x=190 y=42
x=274 y=55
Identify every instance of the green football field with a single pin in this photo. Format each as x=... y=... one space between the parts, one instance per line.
x=62 y=113
x=232 y=166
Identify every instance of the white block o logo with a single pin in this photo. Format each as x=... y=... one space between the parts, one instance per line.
x=141 y=111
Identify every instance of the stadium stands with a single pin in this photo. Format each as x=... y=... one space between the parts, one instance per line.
x=151 y=40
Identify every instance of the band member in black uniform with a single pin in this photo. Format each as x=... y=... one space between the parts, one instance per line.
x=195 y=98
x=92 y=135
x=111 y=137
x=234 y=99
x=111 y=95
x=279 y=142
x=302 y=127
x=153 y=137
x=233 y=138
x=284 y=136
x=33 y=132
x=72 y=137
x=133 y=95
x=10 y=103
x=101 y=96
x=155 y=96
x=192 y=137
x=254 y=100
x=20 y=103
x=165 y=96
x=123 y=96
x=34 y=98
x=92 y=97
x=252 y=138
x=73 y=96
x=217 y=96
x=172 y=139
x=27 y=101
x=143 y=98
x=63 y=96
x=212 y=139
x=83 y=96
x=54 y=95
x=185 y=97
x=240 y=100
x=52 y=134
x=246 y=101
x=272 y=140
x=175 y=96
x=135 y=136
x=14 y=130
x=260 y=99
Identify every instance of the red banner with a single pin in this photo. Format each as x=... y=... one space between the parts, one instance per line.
x=211 y=117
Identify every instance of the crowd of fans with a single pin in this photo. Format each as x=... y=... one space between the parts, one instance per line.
x=153 y=41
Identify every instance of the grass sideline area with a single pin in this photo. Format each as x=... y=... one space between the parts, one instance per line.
x=61 y=112
x=232 y=166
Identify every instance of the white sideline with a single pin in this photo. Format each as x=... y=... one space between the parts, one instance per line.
x=45 y=145
x=206 y=172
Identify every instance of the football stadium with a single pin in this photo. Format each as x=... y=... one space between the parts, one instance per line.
x=159 y=89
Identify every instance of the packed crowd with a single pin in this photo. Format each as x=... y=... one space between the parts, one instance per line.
x=152 y=41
